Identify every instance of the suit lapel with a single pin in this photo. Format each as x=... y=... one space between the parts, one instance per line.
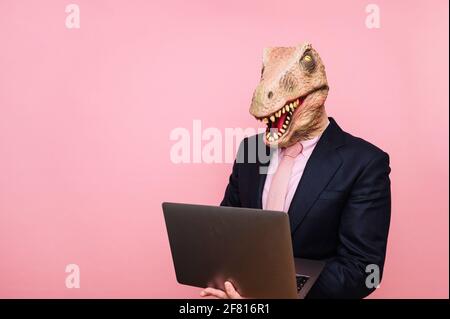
x=321 y=167
x=259 y=175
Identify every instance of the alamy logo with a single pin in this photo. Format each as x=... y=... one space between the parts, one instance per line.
x=211 y=145
x=373 y=17
x=73 y=17
x=73 y=277
x=373 y=279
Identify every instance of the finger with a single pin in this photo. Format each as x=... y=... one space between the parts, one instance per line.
x=211 y=292
x=231 y=292
x=214 y=293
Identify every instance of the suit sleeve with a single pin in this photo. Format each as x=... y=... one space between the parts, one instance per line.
x=363 y=234
x=231 y=197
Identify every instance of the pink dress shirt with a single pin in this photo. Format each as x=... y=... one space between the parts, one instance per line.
x=297 y=171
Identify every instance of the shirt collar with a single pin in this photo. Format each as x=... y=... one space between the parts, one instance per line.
x=308 y=145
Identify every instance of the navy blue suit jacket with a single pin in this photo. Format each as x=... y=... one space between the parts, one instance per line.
x=340 y=211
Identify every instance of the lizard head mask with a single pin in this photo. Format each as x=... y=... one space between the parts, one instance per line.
x=291 y=94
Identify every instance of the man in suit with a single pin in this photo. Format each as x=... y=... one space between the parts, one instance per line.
x=335 y=187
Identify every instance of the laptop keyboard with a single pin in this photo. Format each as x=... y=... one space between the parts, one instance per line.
x=301 y=281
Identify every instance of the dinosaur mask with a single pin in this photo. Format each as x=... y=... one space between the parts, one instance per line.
x=291 y=94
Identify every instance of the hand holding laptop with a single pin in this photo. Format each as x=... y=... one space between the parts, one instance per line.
x=229 y=292
x=231 y=249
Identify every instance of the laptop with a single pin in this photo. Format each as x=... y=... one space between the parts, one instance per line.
x=251 y=248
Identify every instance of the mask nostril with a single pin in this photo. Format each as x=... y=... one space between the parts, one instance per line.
x=270 y=94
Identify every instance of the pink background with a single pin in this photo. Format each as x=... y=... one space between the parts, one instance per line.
x=85 y=117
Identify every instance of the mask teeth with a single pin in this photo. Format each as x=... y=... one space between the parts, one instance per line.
x=273 y=134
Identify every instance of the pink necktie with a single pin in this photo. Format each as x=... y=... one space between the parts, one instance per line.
x=279 y=186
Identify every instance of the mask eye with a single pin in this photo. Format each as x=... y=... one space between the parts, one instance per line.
x=308 y=62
